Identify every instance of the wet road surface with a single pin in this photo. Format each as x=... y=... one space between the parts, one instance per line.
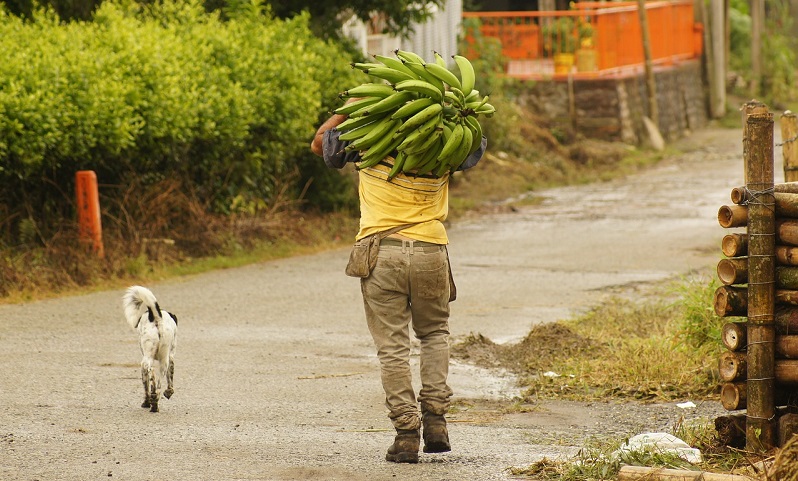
x=276 y=376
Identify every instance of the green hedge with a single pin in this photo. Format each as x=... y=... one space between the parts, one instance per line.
x=161 y=91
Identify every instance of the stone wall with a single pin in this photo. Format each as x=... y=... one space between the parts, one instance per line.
x=613 y=108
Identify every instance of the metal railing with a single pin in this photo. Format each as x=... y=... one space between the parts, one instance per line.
x=593 y=39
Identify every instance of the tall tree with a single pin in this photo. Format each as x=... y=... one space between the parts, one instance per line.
x=397 y=15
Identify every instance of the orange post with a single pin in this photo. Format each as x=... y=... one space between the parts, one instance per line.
x=88 y=204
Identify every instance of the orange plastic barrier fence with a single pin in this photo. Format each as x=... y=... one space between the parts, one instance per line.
x=88 y=205
x=600 y=38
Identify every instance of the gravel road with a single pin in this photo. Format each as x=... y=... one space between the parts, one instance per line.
x=276 y=376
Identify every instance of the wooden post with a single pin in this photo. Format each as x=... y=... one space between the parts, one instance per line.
x=717 y=31
x=789 y=148
x=644 y=473
x=651 y=84
x=88 y=206
x=761 y=230
x=752 y=107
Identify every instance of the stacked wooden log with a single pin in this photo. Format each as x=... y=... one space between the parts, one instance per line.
x=731 y=299
x=760 y=283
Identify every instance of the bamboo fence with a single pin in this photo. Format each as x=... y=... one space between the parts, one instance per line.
x=759 y=372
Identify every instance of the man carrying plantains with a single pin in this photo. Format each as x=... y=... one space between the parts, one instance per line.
x=410 y=285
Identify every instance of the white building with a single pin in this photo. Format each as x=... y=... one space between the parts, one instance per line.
x=438 y=34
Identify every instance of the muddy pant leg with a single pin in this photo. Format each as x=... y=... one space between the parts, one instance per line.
x=430 y=311
x=385 y=296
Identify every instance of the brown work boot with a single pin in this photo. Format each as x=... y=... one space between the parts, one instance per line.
x=405 y=447
x=436 y=436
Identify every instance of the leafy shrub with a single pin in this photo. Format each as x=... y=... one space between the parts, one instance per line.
x=503 y=129
x=164 y=91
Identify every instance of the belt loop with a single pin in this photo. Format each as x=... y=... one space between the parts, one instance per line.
x=407 y=244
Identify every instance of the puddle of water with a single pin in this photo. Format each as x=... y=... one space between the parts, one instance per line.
x=469 y=381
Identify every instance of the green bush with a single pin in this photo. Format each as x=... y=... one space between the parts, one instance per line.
x=502 y=129
x=159 y=91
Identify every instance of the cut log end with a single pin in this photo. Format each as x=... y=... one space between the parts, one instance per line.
x=733 y=216
x=733 y=271
x=733 y=396
x=734 y=335
x=734 y=245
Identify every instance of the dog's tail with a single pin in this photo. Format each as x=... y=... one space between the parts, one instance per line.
x=138 y=300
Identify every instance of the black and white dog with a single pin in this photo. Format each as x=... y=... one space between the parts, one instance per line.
x=158 y=339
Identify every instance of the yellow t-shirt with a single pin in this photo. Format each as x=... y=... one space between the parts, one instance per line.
x=404 y=200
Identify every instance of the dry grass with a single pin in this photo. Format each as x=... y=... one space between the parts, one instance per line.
x=159 y=231
x=163 y=229
x=621 y=349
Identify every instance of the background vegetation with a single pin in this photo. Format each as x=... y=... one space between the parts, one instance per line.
x=778 y=84
x=198 y=130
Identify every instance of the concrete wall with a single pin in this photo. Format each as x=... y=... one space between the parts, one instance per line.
x=613 y=108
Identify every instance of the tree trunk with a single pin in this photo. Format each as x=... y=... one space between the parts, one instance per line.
x=651 y=84
x=757 y=28
x=717 y=33
x=789 y=136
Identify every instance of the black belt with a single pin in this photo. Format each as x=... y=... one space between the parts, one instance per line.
x=392 y=241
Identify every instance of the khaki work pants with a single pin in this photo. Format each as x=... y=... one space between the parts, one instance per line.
x=410 y=286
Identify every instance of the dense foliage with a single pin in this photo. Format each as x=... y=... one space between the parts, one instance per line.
x=397 y=14
x=143 y=94
x=777 y=86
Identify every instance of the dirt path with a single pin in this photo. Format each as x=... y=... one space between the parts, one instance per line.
x=276 y=377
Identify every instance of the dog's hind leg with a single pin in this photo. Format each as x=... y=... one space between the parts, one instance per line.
x=170 y=378
x=146 y=367
x=150 y=386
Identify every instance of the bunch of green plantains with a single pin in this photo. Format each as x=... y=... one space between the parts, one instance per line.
x=421 y=110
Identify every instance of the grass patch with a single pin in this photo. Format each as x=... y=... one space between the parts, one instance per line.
x=662 y=347
x=62 y=266
x=603 y=459
x=650 y=350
